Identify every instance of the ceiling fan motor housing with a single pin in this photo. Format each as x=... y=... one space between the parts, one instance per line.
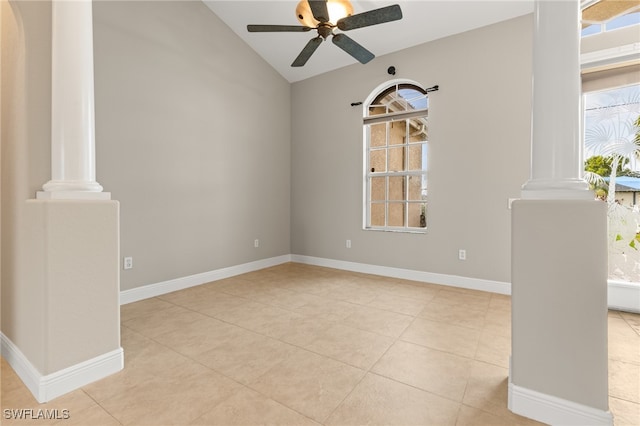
x=337 y=9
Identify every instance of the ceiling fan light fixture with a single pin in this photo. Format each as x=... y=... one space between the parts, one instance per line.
x=338 y=9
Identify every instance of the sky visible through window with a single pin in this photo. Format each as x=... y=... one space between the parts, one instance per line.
x=416 y=99
x=619 y=22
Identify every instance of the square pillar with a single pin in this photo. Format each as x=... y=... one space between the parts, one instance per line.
x=66 y=330
x=559 y=370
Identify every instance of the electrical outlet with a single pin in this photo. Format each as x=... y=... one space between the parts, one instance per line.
x=462 y=254
x=348 y=244
x=256 y=243
x=128 y=263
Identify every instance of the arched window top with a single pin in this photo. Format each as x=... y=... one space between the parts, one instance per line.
x=400 y=97
x=396 y=132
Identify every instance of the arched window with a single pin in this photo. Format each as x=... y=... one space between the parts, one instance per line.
x=396 y=137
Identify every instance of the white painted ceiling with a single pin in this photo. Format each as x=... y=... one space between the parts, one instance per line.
x=423 y=21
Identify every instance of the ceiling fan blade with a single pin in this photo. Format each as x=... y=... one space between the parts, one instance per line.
x=277 y=28
x=306 y=53
x=319 y=10
x=372 y=17
x=354 y=49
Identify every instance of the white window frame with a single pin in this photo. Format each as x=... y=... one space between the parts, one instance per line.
x=406 y=174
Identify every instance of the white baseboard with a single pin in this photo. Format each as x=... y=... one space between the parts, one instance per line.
x=624 y=296
x=553 y=410
x=408 y=274
x=46 y=388
x=164 y=287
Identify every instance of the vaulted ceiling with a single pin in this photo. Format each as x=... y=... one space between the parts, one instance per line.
x=423 y=21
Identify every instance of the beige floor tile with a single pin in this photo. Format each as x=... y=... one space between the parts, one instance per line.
x=500 y=303
x=494 y=348
x=614 y=314
x=472 y=299
x=633 y=320
x=248 y=407
x=378 y=321
x=331 y=310
x=145 y=361
x=624 y=380
x=625 y=413
x=142 y=308
x=487 y=388
x=381 y=401
x=445 y=337
x=300 y=330
x=466 y=316
x=153 y=324
x=242 y=287
x=624 y=342
x=315 y=286
x=351 y=294
x=92 y=416
x=270 y=293
x=187 y=352
x=498 y=321
x=437 y=372
x=215 y=302
x=398 y=304
x=310 y=384
x=415 y=290
x=355 y=347
x=286 y=299
x=176 y=398
x=198 y=337
x=246 y=356
x=256 y=316
x=191 y=298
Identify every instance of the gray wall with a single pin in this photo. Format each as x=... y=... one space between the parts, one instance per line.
x=193 y=139
x=26 y=162
x=479 y=145
x=207 y=148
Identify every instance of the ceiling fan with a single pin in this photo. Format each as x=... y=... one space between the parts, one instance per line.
x=326 y=15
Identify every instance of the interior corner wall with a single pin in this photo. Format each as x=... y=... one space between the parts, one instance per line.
x=479 y=154
x=26 y=161
x=192 y=138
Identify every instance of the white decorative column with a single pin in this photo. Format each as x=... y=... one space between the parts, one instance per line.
x=558 y=370
x=66 y=306
x=556 y=146
x=73 y=161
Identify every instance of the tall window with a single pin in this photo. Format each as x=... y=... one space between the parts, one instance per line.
x=396 y=137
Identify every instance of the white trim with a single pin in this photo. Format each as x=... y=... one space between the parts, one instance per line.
x=164 y=287
x=604 y=57
x=623 y=296
x=553 y=410
x=46 y=388
x=408 y=274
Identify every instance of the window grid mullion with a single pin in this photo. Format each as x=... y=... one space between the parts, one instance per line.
x=391 y=163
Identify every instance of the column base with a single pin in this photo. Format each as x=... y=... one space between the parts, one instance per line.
x=553 y=410
x=72 y=195
x=72 y=190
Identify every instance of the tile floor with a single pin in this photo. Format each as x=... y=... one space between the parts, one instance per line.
x=304 y=345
